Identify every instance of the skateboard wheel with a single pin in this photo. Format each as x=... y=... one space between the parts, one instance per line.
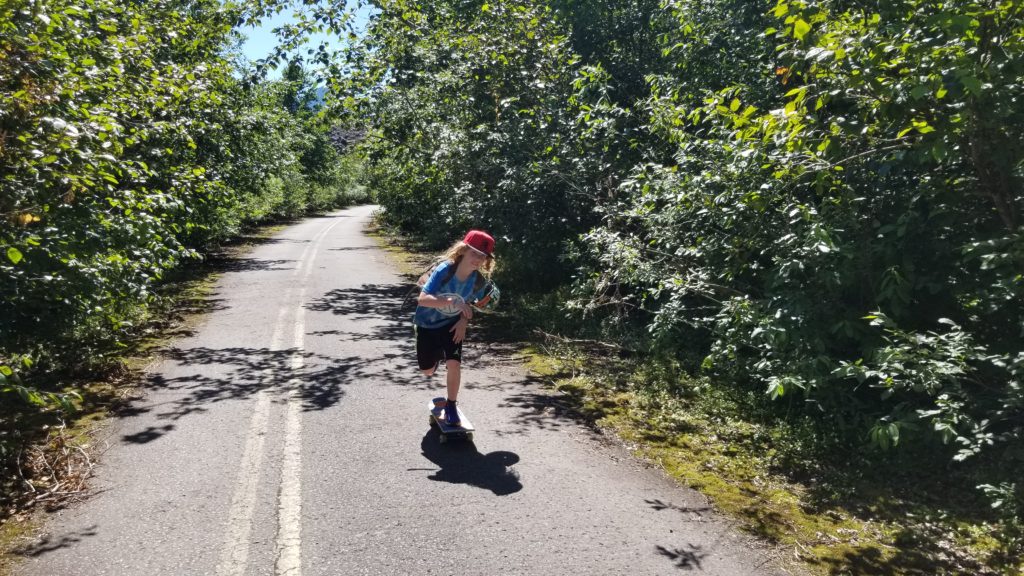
x=432 y=422
x=469 y=436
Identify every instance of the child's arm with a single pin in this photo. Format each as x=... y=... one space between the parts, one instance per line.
x=431 y=301
x=459 y=330
x=428 y=297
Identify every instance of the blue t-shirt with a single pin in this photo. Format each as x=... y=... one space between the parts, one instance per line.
x=435 y=286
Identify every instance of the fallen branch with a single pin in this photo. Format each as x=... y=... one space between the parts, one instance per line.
x=563 y=339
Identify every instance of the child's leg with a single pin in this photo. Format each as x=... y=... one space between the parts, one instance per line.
x=428 y=350
x=454 y=369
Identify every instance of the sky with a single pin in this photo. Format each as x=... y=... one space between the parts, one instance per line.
x=261 y=40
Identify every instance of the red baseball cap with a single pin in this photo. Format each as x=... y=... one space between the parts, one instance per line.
x=480 y=240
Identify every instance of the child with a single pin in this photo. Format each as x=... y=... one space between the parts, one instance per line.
x=443 y=310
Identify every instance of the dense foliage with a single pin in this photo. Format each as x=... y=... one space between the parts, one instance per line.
x=129 y=143
x=850 y=234
x=815 y=198
x=469 y=125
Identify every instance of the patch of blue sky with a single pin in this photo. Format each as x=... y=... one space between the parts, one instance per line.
x=260 y=41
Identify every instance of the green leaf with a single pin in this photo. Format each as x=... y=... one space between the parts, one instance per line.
x=14 y=255
x=922 y=126
x=800 y=29
x=894 y=433
x=972 y=84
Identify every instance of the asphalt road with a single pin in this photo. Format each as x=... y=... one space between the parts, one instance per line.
x=289 y=435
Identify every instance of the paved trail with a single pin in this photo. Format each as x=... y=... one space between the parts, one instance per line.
x=288 y=436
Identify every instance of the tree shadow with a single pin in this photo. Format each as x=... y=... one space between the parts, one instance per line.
x=540 y=411
x=47 y=543
x=148 y=435
x=893 y=488
x=692 y=514
x=237 y=373
x=374 y=302
x=872 y=560
x=462 y=463
x=687 y=557
x=369 y=301
x=244 y=372
x=540 y=406
x=253 y=265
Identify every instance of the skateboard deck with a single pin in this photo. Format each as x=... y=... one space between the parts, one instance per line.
x=464 y=430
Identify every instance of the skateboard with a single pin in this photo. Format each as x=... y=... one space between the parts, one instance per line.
x=463 y=431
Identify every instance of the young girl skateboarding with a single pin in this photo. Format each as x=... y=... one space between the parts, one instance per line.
x=443 y=310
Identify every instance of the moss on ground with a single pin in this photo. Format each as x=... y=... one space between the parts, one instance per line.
x=733 y=462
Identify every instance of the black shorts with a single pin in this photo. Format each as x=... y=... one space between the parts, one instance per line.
x=436 y=344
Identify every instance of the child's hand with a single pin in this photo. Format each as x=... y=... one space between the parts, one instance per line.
x=466 y=310
x=459 y=330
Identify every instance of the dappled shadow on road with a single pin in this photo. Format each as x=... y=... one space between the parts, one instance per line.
x=687 y=557
x=48 y=543
x=691 y=513
x=369 y=301
x=461 y=463
x=240 y=373
x=254 y=265
x=545 y=409
x=149 y=434
x=379 y=303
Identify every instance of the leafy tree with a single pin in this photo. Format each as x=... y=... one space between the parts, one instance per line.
x=470 y=127
x=121 y=158
x=840 y=221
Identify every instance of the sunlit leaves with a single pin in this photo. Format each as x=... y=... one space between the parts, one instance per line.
x=121 y=157
x=800 y=29
x=14 y=255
